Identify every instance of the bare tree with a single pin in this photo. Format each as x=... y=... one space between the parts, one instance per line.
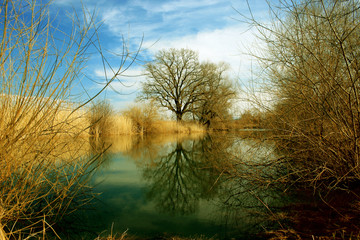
x=174 y=80
x=218 y=93
x=180 y=83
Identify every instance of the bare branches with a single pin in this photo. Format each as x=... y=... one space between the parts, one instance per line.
x=181 y=84
x=174 y=80
x=311 y=66
x=44 y=165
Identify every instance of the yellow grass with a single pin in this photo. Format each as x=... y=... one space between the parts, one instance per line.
x=123 y=125
x=76 y=123
x=120 y=125
x=35 y=136
x=162 y=127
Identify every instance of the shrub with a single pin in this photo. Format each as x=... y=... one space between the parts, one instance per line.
x=312 y=64
x=43 y=165
x=100 y=118
x=142 y=117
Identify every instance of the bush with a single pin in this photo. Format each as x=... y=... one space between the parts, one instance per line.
x=43 y=163
x=142 y=117
x=100 y=118
x=312 y=64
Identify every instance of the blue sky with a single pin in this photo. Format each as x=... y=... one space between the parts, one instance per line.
x=207 y=26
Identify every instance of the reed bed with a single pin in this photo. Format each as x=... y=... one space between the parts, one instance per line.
x=123 y=124
x=162 y=127
x=44 y=166
x=44 y=159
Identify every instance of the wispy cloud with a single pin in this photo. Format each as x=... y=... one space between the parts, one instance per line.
x=157 y=19
x=230 y=44
x=174 y=6
x=206 y=26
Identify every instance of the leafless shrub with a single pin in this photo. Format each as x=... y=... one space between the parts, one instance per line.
x=312 y=65
x=143 y=117
x=100 y=118
x=43 y=165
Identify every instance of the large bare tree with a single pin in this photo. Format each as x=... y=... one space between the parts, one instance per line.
x=179 y=82
x=174 y=80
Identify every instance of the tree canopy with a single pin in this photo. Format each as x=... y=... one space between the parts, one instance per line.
x=179 y=82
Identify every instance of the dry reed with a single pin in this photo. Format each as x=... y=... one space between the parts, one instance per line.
x=162 y=127
x=43 y=139
x=125 y=125
x=121 y=125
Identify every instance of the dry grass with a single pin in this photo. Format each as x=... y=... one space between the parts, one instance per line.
x=121 y=125
x=43 y=170
x=125 y=125
x=161 y=127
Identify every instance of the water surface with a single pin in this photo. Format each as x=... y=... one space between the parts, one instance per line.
x=180 y=186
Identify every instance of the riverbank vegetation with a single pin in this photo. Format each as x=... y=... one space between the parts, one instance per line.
x=310 y=65
x=43 y=168
x=137 y=120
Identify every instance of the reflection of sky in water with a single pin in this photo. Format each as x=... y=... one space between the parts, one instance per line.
x=131 y=196
x=123 y=202
x=121 y=171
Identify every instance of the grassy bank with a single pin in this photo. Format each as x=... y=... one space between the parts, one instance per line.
x=137 y=120
x=123 y=125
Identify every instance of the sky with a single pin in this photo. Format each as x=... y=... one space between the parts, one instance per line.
x=213 y=28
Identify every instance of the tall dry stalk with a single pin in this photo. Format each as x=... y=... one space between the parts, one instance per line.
x=43 y=169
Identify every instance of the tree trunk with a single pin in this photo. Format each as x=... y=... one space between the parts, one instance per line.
x=179 y=116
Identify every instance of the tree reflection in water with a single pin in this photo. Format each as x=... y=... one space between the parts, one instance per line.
x=179 y=180
x=185 y=179
x=223 y=169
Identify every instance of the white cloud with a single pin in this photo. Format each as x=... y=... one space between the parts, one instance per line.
x=174 y=6
x=230 y=44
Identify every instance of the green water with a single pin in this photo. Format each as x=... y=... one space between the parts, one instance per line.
x=180 y=188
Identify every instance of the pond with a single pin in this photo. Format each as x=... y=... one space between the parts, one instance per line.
x=164 y=186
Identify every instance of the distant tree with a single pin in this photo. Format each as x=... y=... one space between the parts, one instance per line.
x=174 y=80
x=217 y=94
